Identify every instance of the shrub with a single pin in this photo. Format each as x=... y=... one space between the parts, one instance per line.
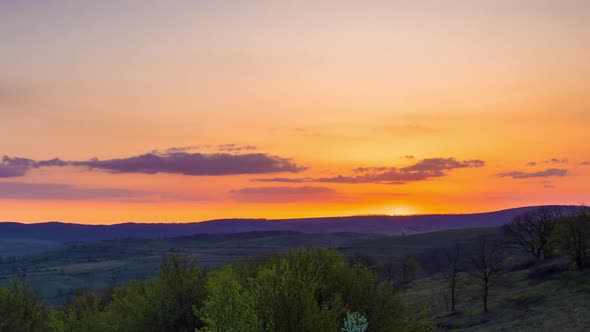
x=355 y=322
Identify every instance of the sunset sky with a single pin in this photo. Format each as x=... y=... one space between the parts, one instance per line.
x=172 y=111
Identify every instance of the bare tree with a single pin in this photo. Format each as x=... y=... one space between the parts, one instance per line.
x=453 y=258
x=531 y=231
x=573 y=236
x=487 y=264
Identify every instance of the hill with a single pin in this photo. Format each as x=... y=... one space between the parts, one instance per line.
x=386 y=225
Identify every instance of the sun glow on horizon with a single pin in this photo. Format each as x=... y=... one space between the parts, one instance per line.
x=402 y=210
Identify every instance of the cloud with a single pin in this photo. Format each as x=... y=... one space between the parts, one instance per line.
x=422 y=170
x=235 y=147
x=550 y=161
x=284 y=180
x=556 y=161
x=195 y=164
x=15 y=167
x=178 y=162
x=283 y=194
x=549 y=186
x=58 y=191
x=7 y=171
x=218 y=148
x=585 y=163
x=540 y=174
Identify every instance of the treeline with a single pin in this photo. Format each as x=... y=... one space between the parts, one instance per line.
x=553 y=231
x=304 y=290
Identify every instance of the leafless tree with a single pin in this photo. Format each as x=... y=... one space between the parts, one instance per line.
x=487 y=266
x=531 y=231
x=453 y=258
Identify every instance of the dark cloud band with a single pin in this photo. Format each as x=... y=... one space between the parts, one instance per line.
x=552 y=172
x=422 y=170
x=58 y=191
x=184 y=163
x=283 y=194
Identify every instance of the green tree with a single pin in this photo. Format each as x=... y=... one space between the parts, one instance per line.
x=294 y=293
x=409 y=269
x=229 y=306
x=161 y=304
x=573 y=236
x=21 y=310
x=164 y=303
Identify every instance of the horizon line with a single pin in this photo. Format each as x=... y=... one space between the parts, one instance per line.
x=287 y=219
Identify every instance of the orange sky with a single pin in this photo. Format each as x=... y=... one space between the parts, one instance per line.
x=306 y=92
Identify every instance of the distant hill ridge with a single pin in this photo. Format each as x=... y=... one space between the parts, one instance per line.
x=387 y=225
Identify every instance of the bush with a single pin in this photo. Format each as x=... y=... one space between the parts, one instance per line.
x=355 y=322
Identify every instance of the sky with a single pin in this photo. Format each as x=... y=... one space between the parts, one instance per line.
x=177 y=111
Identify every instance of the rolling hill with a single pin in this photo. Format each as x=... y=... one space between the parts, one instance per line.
x=384 y=225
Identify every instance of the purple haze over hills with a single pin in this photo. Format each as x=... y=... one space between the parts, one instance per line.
x=386 y=225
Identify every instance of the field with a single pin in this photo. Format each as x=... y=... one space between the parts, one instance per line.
x=23 y=246
x=58 y=270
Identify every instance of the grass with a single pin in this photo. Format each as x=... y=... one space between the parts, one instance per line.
x=393 y=247
x=559 y=302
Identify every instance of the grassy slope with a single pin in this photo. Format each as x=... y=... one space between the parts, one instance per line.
x=560 y=302
x=395 y=247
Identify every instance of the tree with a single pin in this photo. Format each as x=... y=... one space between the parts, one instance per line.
x=453 y=258
x=21 y=309
x=487 y=266
x=355 y=322
x=573 y=236
x=531 y=231
x=299 y=292
x=409 y=268
x=229 y=307
x=161 y=304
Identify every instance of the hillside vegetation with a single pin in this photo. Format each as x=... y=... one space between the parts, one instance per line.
x=528 y=275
